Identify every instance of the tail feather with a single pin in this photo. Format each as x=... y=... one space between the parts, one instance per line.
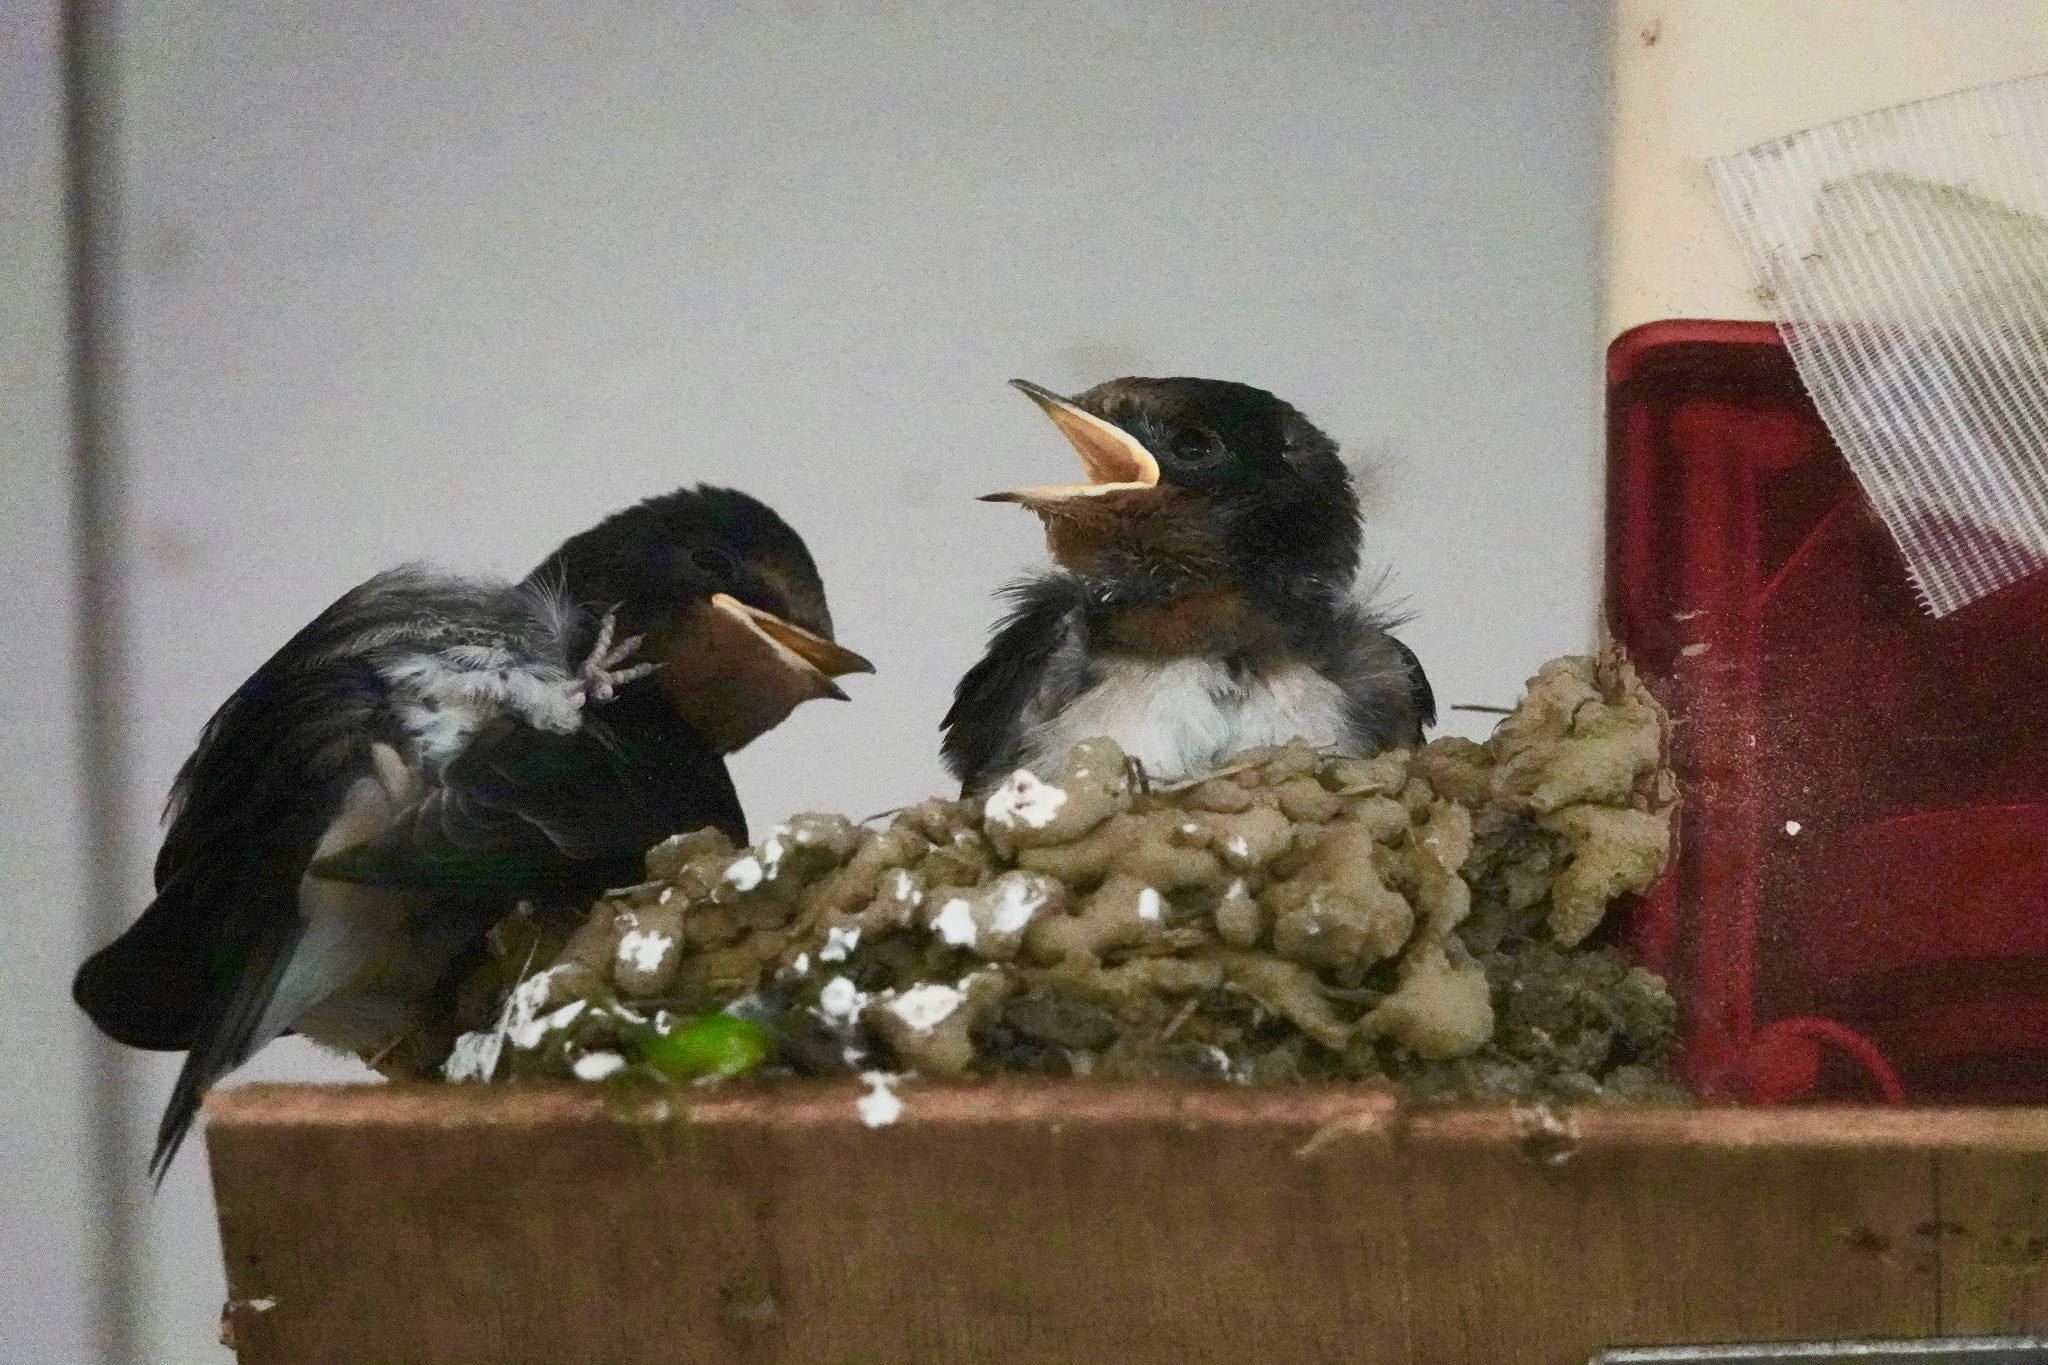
x=245 y=1022
x=151 y=987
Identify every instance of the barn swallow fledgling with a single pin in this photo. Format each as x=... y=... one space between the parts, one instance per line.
x=453 y=743
x=1204 y=604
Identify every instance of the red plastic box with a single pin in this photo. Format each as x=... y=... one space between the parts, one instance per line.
x=1859 y=902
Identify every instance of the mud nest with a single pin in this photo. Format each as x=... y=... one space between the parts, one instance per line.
x=1430 y=916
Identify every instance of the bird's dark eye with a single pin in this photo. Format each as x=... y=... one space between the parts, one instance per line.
x=1195 y=449
x=717 y=565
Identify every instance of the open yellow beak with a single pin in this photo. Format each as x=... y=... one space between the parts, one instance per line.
x=791 y=639
x=734 y=671
x=1115 y=460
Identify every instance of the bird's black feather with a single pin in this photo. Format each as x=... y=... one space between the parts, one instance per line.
x=247 y=810
x=230 y=1036
x=535 y=761
x=240 y=829
x=1420 y=693
x=1210 y=605
x=523 y=811
x=984 y=724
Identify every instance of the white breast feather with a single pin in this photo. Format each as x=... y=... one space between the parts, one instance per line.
x=1183 y=717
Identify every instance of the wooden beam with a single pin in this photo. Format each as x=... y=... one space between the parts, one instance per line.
x=1027 y=1221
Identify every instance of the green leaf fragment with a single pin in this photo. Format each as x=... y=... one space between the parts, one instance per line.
x=715 y=1045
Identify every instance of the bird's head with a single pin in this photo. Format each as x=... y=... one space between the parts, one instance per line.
x=1197 y=474
x=730 y=602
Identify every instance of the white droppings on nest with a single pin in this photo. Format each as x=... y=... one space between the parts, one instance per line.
x=840 y=1002
x=1021 y=901
x=879 y=1107
x=1149 y=903
x=666 y=893
x=745 y=873
x=474 y=1056
x=1191 y=829
x=801 y=965
x=906 y=889
x=1023 y=800
x=924 y=1008
x=595 y=1066
x=526 y=999
x=955 y=924
x=527 y=1036
x=1236 y=847
x=644 y=950
x=838 y=943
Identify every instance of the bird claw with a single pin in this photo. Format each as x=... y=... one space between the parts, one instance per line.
x=600 y=676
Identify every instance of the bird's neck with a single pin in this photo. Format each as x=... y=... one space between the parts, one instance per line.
x=1175 y=614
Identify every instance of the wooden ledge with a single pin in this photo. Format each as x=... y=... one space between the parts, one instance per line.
x=1076 y=1221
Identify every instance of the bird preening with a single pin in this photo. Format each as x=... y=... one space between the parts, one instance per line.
x=432 y=748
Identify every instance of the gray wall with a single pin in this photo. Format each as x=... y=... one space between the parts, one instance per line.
x=50 y=1227
x=406 y=280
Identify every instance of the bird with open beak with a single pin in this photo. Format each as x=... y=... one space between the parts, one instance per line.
x=432 y=747
x=1203 y=605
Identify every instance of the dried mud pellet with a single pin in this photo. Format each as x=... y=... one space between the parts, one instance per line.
x=1384 y=817
x=1442 y=1007
x=1240 y=920
x=876 y=853
x=1222 y=795
x=668 y=857
x=963 y=862
x=1284 y=763
x=645 y=959
x=930 y=1027
x=1613 y=851
x=1121 y=913
x=1338 y=912
x=991 y=920
x=1061 y=1020
x=937 y=819
x=1249 y=841
x=1456 y=768
x=1027 y=811
x=591 y=947
x=1290 y=991
x=1084 y=862
x=1381 y=775
x=1304 y=799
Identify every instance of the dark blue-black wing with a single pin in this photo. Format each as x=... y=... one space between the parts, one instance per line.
x=994 y=702
x=1420 y=694
x=524 y=812
x=246 y=810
